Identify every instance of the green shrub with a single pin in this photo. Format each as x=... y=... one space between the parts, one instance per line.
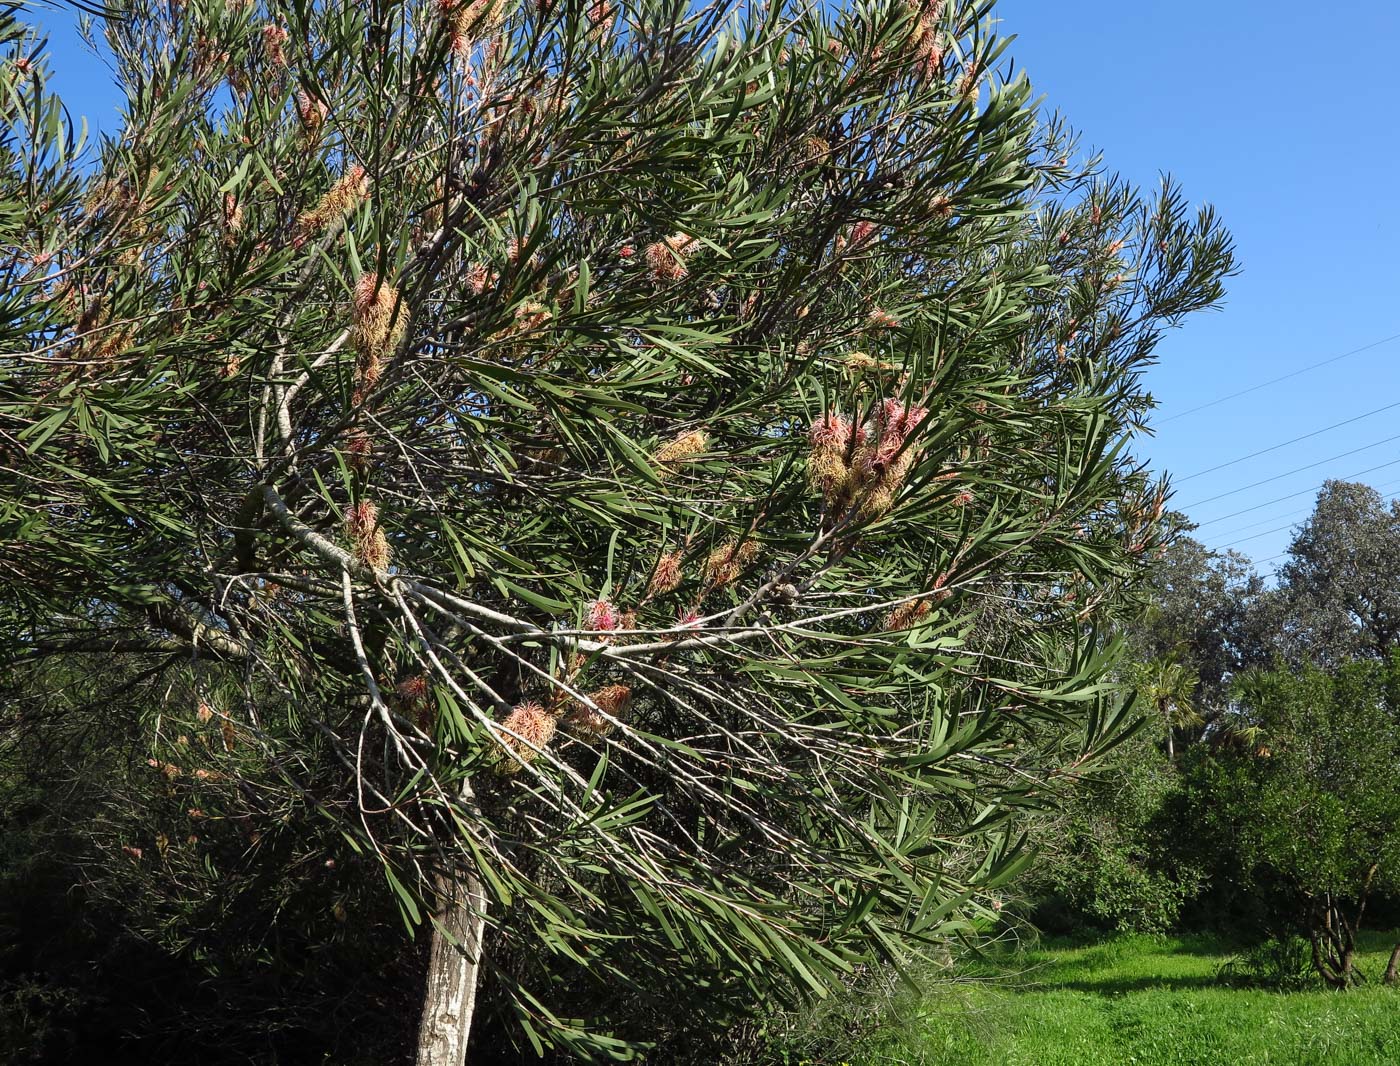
x=1112 y=858
x=1283 y=963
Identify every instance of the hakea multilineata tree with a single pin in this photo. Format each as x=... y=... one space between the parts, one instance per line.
x=659 y=467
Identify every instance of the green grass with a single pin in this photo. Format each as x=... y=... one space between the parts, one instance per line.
x=1146 y=1002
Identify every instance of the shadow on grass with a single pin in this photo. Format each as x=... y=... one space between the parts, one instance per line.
x=1118 y=986
x=1203 y=945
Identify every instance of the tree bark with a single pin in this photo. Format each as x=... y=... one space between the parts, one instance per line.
x=455 y=960
x=1392 y=971
x=1333 y=941
x=1327 y=953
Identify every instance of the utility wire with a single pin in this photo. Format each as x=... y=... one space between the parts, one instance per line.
x=1286 y=514
x=1296 y=470
x=1285 y=377
x=1312 y=488
x=1285 y=444
x=1290 y=525
x=1265 y=521
x=1292 y=495
x=1256 y=536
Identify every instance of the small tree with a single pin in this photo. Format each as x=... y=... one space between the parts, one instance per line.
x=1111 y=855
x=1310 y=804
x=1167 y=686
x=652 y=475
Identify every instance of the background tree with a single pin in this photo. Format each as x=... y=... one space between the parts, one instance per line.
x=1111 y=854
x=1338 y=594
x=1167 y=686
x=1309 y=806
x=1202 y=607
x=650 y=480
x=1212 y=841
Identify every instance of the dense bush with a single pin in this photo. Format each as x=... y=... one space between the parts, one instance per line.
x=135 y=927
x=1281 y=825
x=1111 y=858
x=1308 y=802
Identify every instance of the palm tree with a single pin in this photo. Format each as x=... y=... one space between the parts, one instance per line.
x=1168 y=683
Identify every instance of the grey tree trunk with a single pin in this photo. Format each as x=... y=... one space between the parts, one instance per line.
x=450 y=996
x=1392 y=971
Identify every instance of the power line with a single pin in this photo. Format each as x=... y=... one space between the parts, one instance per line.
x=1297 y=470
x=1285 y=377
x=1277 y=529
x=1286 y=514
x=1291 y=495
x=1265 y=521
x=1256 y=536
x=1285 y=444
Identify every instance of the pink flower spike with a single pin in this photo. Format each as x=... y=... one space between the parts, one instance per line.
x=602 y=615
x=831 y=429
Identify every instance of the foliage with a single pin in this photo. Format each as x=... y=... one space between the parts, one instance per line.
x=130 y=919
x=1337 y=597
x=1167 y=687
x=1208 y=623
x=1308 y=801
x=1203 y=609
x=1280 y=962
x=1111 y=857
x=666 y=464
x=1119 y=853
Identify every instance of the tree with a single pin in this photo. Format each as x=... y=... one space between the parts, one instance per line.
x=139 y=926
x=1167 y=686
x=1111 y=855
x=1339 y=591
x=1309 y=804
x=1121 y=850
x=1202 y=608
x=654 y=477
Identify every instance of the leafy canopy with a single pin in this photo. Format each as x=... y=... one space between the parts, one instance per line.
x=669 y=461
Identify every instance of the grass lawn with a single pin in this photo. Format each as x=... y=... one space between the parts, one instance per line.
x=1148 y=1002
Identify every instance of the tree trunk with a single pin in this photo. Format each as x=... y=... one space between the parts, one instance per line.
x=450 y=996
x=1347 y=969
x=1327 y=950
x=1326 y=967
x=1392 y=971
x=1333 y=941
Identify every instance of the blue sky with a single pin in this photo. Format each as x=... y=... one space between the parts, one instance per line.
x=1281 y=113
x=1284 y=120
